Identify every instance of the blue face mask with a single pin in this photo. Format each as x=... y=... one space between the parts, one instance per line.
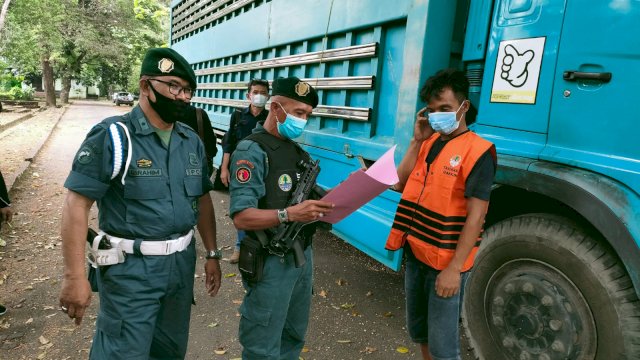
x=445 y=122
x=292 y=127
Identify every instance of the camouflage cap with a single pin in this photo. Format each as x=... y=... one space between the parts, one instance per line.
x=295 y=89
x=167 y=62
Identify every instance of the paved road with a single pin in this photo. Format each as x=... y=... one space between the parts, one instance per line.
x=357 y=310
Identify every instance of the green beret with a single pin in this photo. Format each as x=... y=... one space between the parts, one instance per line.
x=295 y=89
x=167 y=62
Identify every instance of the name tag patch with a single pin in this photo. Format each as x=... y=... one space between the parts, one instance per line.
x=144 y=172
x=194 y=172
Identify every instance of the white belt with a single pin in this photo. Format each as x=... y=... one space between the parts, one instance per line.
x=151 y=247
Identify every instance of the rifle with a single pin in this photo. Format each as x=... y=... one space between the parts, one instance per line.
x=285 y=234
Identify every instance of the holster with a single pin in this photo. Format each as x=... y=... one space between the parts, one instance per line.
x=100 y=254
x=92 y=274
x=252 y=259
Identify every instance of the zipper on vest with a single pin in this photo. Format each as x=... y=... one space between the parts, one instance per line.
x=415 y=207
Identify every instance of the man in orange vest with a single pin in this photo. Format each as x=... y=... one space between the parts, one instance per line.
x=445 y=179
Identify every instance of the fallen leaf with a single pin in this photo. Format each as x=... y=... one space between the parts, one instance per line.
x=369 y=350
x=237 y=302
x=2 y=242
x=305 y=349
x=29 y=321
x=341 y=282
x=347 y=305
x=48 y=308
x=402 y=350
x=43 y=340
x=344 y=341
x=212 y=325
x=229 y=275
x=220 y=351
x=323 y=294
x=369 y=293
x=42 y=356
x=388 y=314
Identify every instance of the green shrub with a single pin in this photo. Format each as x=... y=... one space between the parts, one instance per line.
x=17 y=93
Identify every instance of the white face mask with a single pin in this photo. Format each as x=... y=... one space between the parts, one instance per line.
x=259 y=100
x=445 y=122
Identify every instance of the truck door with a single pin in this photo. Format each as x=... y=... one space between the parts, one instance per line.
x=595 y=107
x=518 y=78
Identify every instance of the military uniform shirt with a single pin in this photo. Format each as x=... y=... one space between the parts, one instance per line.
x=247 y=169
x=241 y=125
x=162 y=185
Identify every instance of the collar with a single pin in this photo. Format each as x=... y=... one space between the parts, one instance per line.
x=142 y=126
x=443 y=140
x=247 y=111
x=259 y=128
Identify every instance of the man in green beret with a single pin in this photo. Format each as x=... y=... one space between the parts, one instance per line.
x=148 y=174
x=264 y=174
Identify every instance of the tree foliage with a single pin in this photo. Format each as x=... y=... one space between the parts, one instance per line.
x=99 y=42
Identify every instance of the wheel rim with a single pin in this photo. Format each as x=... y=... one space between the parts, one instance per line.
x=535 y=312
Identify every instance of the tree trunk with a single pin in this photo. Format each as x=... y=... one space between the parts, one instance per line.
x=3 y=13
x=66 y=88
x=48 y=82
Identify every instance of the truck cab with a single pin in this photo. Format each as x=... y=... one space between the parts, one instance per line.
x=558 y=271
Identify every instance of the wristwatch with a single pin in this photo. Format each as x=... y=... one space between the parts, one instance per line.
x=214 y=254
x=283 y=216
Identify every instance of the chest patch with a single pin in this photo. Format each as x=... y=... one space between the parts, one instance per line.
x=193 y=159
x=455 y=160
x=243 y=175
x=144 y=163
x=284 y=182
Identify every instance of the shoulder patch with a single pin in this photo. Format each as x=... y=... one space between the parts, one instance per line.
x=246 y=163
x=85 y=155
x=243 y=175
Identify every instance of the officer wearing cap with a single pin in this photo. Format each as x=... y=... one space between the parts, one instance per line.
x=275 y=309
x=148 y=175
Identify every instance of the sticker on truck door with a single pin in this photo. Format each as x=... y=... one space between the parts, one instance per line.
x=518 y=71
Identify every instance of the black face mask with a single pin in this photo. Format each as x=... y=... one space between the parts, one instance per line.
x=169 y=110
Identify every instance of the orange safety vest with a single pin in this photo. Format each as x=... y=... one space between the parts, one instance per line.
x=433 y=209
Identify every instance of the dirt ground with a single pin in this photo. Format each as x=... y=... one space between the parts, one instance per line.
x=357 y=310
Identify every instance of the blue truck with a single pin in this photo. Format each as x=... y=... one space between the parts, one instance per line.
x=555 y=85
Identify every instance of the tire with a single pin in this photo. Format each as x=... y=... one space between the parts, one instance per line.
x=117 y=103
x=542 y=288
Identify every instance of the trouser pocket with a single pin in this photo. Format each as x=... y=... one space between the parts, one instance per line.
x=251 y=262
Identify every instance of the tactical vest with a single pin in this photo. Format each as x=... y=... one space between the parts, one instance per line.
x=282 y=178
x=433 y=209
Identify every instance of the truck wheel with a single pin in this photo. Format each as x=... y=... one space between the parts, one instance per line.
x=543 y=288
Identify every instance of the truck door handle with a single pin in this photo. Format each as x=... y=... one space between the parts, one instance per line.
x=572 y=75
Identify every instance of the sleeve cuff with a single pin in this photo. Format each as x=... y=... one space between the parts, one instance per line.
x=86 y=185
x=240 y=203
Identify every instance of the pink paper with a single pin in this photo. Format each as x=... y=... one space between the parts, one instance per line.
x=361 y=187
